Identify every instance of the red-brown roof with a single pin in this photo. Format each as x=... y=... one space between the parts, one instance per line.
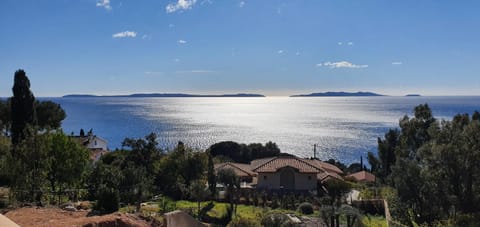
x=325 y=176
x=241 y=170
x=326 y=166
x=362 y=176
x=258 y=162
x=280 y=162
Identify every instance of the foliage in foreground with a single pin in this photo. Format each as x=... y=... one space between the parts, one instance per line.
x=433 y=165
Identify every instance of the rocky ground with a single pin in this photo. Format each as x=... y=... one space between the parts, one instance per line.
x=52 y=217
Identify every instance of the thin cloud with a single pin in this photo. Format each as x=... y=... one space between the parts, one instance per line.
x=297 y=53
x=199 y=71
x=341 y=64
x=105 y=4
x=147 y=37
x=280 y=52
x=153 y=73
x=206 y=2
x=180 y=5
x=280 y=8
x=397 y=63
x=125 y=34
x=339 y=43
x=350 y=43
x=241 y=4
x=181 y=41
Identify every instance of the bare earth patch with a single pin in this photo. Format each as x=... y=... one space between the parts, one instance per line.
x=52 y=217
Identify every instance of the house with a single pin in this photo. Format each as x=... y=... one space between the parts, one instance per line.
x=91 y=141
x=97 y=145
x=241 y=170
x=286 y=173
x=362 y=177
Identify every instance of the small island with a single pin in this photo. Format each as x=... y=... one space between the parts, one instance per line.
x=338 y=94
x=412 y=95
x=163 y=95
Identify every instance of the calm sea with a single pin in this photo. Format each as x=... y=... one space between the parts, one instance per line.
x=344 y=128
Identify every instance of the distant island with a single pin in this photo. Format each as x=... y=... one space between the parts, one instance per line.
x=338 y=94
x=412 y=95
x=164 y=95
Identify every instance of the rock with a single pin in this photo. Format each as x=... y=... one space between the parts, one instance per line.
x=84 y=205
x=70 y=208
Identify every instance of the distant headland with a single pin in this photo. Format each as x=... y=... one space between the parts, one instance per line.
x=338 y=94
x=162 y=95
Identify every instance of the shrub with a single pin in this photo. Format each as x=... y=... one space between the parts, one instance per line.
x=243 y=222
x=276 y=220
x=108 y=200
x=305 y=208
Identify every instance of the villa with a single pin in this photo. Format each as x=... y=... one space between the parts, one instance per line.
x=287 y=173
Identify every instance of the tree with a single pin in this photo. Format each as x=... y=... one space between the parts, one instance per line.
x=143 y=152
x=5 y=117
x=381 y=166
x=28 y=166
x=244 y=153
x=212 y=181
x=66 y=162
x=231 y=181
x=198 y=193
x=476 y=116
x=105 y=179
x=136 y=184
x=4 y=152
x=49 y=115
x=23 y=107
x=436 y=173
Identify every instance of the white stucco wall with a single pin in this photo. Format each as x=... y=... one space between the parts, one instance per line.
x=97 y=142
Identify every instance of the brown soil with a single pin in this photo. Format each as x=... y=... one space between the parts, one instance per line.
x=52 y=217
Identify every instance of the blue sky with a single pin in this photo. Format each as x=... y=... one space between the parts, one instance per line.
x=230 y=46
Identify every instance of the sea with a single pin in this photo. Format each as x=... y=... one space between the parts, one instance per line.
x=343 y=128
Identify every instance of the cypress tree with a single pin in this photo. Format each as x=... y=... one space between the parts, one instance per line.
x=212 y=182
x=23 y=110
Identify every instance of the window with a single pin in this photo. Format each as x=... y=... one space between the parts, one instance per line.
x=265 y=177
x=309 y=177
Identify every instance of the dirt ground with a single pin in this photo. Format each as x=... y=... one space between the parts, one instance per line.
x=53 y=217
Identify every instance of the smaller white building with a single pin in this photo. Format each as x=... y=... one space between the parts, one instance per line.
x=95 y=142
x=97 y=145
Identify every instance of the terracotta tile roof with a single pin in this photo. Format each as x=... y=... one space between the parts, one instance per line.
x=326 y=166
x=279 y=162
x=241 y=170
x=258 y=162
x=362 y=176
x=325 y=176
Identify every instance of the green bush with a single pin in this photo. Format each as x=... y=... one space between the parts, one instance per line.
x=244 y=222
x=108 y=200
x=276 y=220
x=305 y=208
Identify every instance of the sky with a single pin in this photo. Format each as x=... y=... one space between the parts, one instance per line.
x=272 y=47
